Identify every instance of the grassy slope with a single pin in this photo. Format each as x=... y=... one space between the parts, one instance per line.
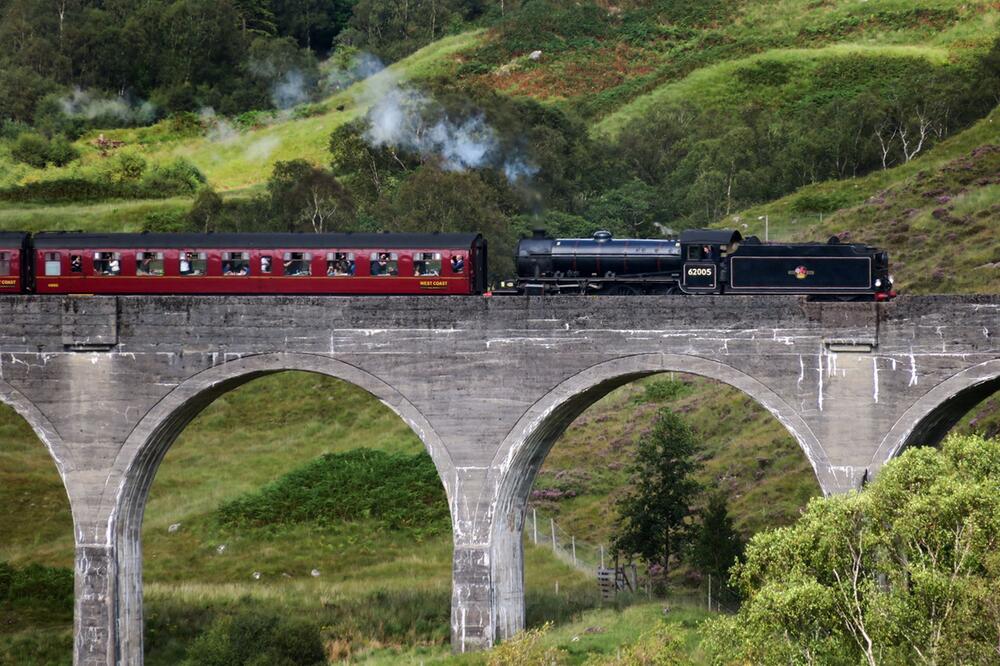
x=247 y=159
x=717 y=85
x=615 y=82
x=939 y=215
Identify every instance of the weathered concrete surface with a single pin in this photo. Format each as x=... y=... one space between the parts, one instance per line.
x=487 y=384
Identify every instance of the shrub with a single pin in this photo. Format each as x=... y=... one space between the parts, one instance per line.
x=125 y=167
x=661 y=390
x=177 y=177
x=253 y=638
x=36 y=585
x=820 y=202
x=31 y=149
x=526 y=649
x=170 y=222
x=400 y=491
x=61 y=152
x=66 y=189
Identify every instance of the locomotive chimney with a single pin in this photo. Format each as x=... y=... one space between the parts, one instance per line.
x=539 y=233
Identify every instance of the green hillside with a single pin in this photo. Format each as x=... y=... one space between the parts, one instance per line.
x=674 y=113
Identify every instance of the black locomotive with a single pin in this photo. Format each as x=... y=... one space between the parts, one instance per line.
x=702 y=261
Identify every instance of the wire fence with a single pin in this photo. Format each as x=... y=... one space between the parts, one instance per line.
x=597 y=560
x=544 y=532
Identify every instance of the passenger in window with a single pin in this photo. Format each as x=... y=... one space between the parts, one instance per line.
x=185 y=263
x=457 y=263
x=244 y=269
x=378 y=267
x=290 y=267
x=146 y=265
x=75 y=264
x=114 y=267
x=419 y=268
x=265 y=264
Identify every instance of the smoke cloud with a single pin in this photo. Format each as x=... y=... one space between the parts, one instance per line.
x=405 y=118
x=262 y=148
x=89 y=105
x=362 y=66
x=219 y=129
x=290 y=90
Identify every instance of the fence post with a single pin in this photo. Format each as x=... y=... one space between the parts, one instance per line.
x=534 y=524
x=552 y=526
x=573 y=541
x=602 y=557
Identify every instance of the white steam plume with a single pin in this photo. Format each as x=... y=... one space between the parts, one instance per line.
x=86 y=104
x=290 y=90
x=406 y=118
x=219 y=129
x=262 y=148
x=361 y=66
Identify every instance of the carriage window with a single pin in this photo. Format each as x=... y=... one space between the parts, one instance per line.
x=4 y=263
x=193 y=263
x=149 y=263
x=76 y=263
x=52 y=264
x=427 y=263
x=236 y=263
x=340 y=264
x=297 y=264
x=384 y=263
x=457 y=263
x=265 y=264
x=107 y=263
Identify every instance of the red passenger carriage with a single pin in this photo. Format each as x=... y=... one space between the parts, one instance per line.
x=13 y=262
x=265 y=263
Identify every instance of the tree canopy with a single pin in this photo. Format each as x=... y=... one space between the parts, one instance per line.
x=906 y=571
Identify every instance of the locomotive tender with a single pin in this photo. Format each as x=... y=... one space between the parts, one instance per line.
x=700 y=261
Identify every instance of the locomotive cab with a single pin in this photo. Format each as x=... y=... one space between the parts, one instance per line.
x=705 y=252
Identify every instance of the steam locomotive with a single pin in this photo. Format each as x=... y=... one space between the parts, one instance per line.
x=700 y=261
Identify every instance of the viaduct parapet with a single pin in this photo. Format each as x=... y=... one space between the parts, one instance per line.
x=487 y=384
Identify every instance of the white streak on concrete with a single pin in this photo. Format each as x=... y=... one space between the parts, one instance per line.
x=802 y=373
x=875 y=378
x=913 y=370
x=819 y=372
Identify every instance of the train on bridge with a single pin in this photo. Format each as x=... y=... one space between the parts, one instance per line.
x=699 y=261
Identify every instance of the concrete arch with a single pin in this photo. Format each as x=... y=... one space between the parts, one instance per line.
x=149 y=442
x=527 y=445
x=936 y=412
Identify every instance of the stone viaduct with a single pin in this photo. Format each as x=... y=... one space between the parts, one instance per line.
x=487 y=383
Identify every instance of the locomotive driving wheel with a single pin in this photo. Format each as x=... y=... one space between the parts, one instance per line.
x=622 y=290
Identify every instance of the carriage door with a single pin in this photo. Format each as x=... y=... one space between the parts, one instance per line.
x=700 y=272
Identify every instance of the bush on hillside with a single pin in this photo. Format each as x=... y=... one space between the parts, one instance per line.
x=177 y=177
x=906 y=571
x=256 y=639
x=662 y=390
x=31 y=149
x=36 y=585
x=396 y=490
